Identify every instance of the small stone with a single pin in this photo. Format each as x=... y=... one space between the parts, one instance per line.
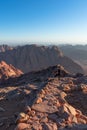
x=42 y=92
x=71 y=109
x=63 y=95
x=35 y=118
x=39 y=100
x=78 y=113
x=66 y=88
x=74 y=120
x=81 y=121
x=42 y=95
x=29 y=121
x=57 y=104
x=83 y=117
x=22 y=118
x=22 y=126
x=27 y=109
x=32 y=113
x=44 y=107
x=37 y=126
x=44 y=119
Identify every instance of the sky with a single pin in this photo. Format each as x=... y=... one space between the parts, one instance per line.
x=62 y=21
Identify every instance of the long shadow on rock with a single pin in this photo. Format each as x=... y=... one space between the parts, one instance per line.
x=78 y=99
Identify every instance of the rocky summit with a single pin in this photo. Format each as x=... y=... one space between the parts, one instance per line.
x=7 y=71
x=44 y=100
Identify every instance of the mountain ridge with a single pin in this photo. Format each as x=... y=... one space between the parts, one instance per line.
x=77 y=53
x=32 y=57
x=44 y=101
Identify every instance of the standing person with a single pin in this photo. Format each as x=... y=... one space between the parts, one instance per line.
x=59 y=72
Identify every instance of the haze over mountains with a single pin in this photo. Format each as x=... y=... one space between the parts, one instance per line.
x=78 y=53
x=33 y=58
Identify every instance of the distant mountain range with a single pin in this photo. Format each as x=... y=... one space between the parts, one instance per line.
x=33 y=58
x=78 y=53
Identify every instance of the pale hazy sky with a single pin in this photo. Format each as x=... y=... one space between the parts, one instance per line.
x=43 y=20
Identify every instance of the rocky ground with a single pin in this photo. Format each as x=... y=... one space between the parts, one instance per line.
x=44 y=102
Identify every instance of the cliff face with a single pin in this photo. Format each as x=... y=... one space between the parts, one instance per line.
x=32 y=58
x=7 y=71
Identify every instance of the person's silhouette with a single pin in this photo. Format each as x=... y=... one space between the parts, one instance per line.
x=59 y=71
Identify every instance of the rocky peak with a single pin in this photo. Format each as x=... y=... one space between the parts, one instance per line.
x=61 y=70
x=7 y=71
x=55 y=48
x=41 y=101
x=4 y=48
